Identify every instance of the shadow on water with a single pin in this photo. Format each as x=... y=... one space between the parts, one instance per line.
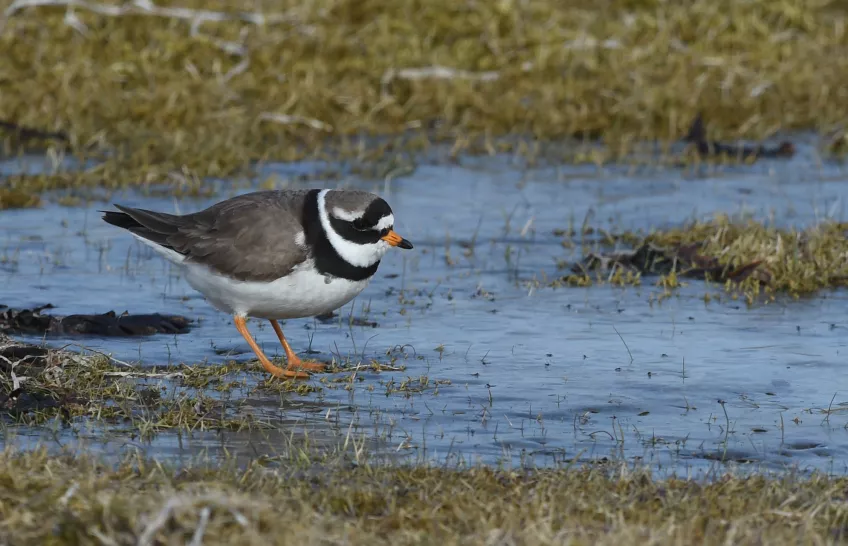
x=497 y=366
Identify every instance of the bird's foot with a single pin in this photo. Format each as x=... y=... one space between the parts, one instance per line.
x=308 y=365
x=291 y=374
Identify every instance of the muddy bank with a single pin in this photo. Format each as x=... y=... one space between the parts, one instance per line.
x=40 y=383
x=33 y=322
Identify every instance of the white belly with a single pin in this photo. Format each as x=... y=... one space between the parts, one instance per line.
x=302 y=293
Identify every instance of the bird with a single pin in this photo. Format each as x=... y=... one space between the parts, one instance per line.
x=273 y=255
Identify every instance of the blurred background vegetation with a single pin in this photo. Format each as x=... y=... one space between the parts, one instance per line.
x=174 y=92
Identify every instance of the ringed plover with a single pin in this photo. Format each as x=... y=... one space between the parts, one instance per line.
x=274 y=255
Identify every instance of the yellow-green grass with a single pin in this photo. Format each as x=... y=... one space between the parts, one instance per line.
x=790 y=261
x=173 y=97
x=53 y=500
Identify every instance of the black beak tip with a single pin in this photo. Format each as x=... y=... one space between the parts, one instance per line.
x=406 y=245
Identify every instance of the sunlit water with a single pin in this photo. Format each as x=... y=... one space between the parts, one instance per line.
x=516 y=371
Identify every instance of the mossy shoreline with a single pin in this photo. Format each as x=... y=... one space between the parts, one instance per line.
x=81 y=500
x=744 y=257
x=39 y=385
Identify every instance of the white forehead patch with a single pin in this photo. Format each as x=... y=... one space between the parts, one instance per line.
x=348 y=216
x=385 y=222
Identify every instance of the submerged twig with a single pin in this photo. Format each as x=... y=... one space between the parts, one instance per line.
x=625 y=343
x=380 y=367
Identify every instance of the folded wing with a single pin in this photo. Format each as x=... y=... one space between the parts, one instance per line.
x=253 y=237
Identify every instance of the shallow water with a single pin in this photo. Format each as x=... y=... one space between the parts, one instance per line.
x=514 y=371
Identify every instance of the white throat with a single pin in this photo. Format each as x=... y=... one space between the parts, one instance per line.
x=353 y=253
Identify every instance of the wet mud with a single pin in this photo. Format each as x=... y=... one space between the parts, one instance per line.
x=34 y=322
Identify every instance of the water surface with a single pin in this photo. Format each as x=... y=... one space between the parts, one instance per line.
x=502 y=367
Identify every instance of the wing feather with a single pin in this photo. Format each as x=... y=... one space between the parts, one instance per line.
x=251 y=237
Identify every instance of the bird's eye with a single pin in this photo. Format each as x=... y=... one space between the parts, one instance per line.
x=384 y=232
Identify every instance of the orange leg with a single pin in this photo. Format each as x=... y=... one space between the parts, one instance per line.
x=241 y=326
x=293 y=360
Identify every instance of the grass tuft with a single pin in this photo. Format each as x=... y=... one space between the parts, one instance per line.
x=748 y=258
x=76 y=499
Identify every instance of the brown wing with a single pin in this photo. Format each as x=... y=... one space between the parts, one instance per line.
x=250 y=237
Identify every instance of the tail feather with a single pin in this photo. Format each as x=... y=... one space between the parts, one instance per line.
x=119 y=219
x=156 y=227
x=156 y=221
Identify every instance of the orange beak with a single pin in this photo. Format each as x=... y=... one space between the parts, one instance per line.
x=396 y=240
